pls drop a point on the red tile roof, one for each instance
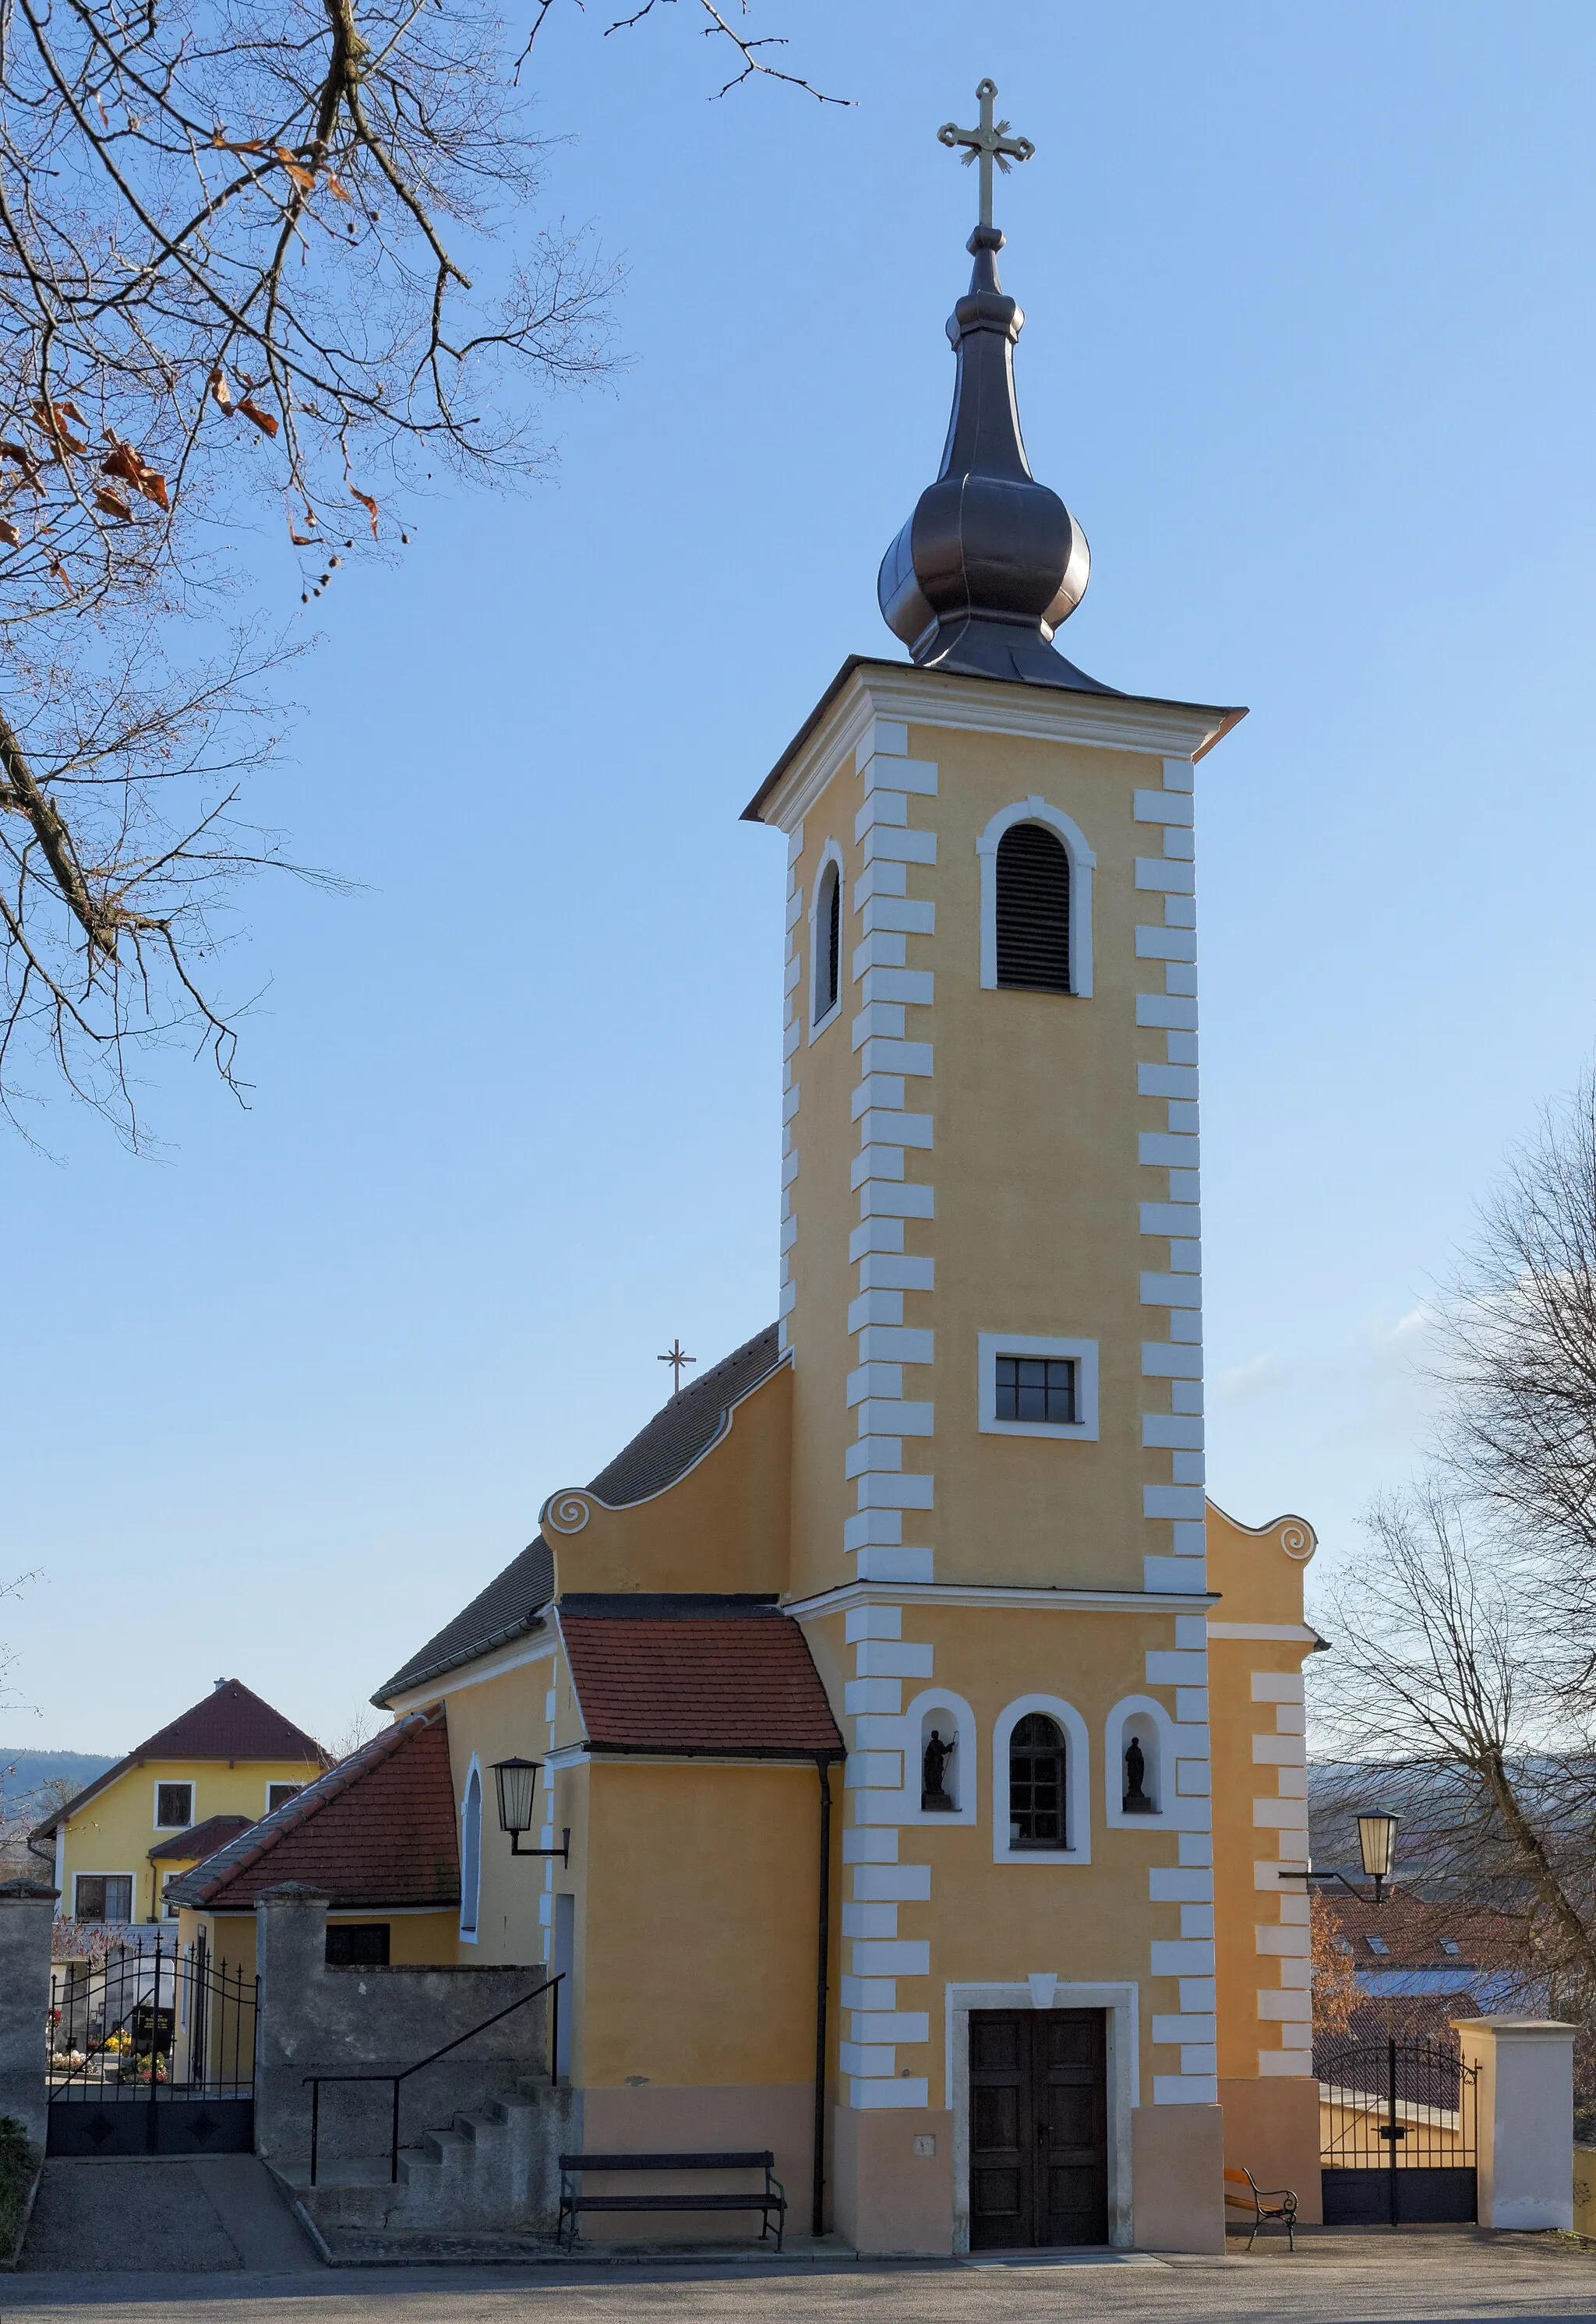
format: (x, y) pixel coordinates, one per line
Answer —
(1416, 1932)
(375, 1832)
(232, 1722)
(201, 1839)
(718, 1678)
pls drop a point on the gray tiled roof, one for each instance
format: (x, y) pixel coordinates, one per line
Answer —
(687, 1427)
(656, 1457)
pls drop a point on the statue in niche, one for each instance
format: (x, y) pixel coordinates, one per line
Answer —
(1137, 1802)
(934, 1795)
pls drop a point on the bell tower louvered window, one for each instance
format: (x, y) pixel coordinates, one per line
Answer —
(1033, 902)
(829, 943)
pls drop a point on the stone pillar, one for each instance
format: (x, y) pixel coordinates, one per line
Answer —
(290, 1955)
(1525, 2093)
(27, 1915)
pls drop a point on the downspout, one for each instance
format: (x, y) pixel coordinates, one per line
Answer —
(823, 1763)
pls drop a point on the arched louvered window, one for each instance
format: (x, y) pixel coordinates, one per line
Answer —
(1036, 1783)
(828, 942)
(1033, 902)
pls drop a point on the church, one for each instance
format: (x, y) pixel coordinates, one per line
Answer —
(914, 1752)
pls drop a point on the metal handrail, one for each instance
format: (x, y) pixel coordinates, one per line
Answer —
(550, 1985)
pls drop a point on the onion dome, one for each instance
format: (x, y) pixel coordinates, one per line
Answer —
(991, 562)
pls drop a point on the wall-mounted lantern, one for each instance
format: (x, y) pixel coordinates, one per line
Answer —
(1376, 1844)
(517, 1781)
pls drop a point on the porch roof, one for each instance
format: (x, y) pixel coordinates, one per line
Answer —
(696, 1677)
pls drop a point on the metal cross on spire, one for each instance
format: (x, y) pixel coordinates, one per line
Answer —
(675, 1359)
(991, 141)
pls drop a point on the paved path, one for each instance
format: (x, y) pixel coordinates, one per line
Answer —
(1418, 2277)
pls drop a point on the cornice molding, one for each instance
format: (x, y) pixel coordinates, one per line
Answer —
(963, 1593)
(863, 689)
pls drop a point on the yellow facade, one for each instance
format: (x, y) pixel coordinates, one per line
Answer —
(112, 1834)
(966, 1167)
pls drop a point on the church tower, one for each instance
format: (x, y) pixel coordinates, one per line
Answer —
(991, 1301)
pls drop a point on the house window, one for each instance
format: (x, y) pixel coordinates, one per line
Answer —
(357, 1944)
(1032, 1385)
(470, 1852)
(1449, 1945)
(278, 1795)
(1037, 1388)
(174, 1806)
(826, 945)
(1377, 1944)
(1033, 909)
(1036, 1783)
(102, 1897)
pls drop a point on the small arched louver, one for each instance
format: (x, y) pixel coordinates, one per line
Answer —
(1033, 909)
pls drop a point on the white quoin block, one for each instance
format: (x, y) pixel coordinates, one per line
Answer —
(1525, 2120)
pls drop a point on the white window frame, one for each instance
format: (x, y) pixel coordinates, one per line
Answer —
(471, 1857)
(132, 1895)
(1082, 864)
(830, 853)
(167, 1783)
(1077, 1782)
(278, 1784)
(1082, 1353)
(1138, 1706)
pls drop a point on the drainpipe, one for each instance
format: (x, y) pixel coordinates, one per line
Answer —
(823, 1764)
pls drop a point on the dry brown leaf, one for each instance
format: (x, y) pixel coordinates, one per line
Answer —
(246, 145)
(59, 570)
(50, 419)
(367, 504)
(338, 186)
(9, 533)
(19, 453)
(263, 420)
(113, 504)
(222, 392)
(301, 177)
(304, 540)
(123, 461)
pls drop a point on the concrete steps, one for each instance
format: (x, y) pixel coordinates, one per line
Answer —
(492, 2171)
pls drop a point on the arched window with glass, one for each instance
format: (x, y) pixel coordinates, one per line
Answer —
(1037, 1784)
(471, 1853)
(827, 936)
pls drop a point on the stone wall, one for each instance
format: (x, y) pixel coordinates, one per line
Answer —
(26, 1917)
(317, 2020)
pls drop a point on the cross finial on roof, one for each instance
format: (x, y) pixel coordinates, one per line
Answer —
(991, 141)
(675, 1359)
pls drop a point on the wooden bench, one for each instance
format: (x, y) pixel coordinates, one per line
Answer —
(1267, 2204)
(772, 2203)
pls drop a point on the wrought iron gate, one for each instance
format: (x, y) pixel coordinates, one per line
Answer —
(152, 2051)
(1399, 2134)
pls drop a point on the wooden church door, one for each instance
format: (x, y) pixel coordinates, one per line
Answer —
(1039, 2127)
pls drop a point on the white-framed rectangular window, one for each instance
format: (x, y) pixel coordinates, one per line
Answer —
(278, 1795)
(1035, 1385)
(174, 1806)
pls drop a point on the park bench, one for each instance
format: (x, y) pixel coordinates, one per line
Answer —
(771, 2203)
(1267, 2204)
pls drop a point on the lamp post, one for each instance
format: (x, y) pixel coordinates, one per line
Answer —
(517, 1783)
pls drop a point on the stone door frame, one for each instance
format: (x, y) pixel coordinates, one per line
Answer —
(1121, 2005)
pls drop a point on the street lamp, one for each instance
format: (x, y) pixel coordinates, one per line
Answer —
(1376, 1844)
(517, 1781)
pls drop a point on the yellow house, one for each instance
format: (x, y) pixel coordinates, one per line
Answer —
(920, 1753)
(224, 1762)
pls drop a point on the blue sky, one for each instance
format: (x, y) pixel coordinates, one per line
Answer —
(1308, 351)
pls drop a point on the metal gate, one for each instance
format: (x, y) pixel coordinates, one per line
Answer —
(1398, 2130)
(152, 2051)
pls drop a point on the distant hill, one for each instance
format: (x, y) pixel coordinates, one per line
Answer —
(24, 1774)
